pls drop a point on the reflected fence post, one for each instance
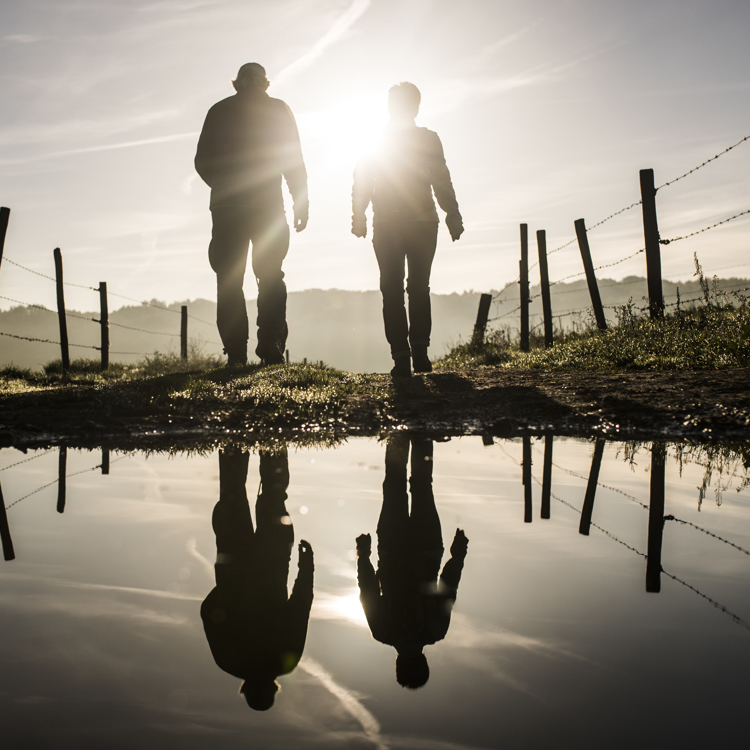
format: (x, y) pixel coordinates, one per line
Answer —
(547, 476)
(588, 501)
(655, 519)
(8, 551)
(526, 478)
(61, 469)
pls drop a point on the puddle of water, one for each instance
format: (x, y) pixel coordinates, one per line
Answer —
(554, 639)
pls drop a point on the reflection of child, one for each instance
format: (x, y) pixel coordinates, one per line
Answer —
(406, 606)
(254, 631)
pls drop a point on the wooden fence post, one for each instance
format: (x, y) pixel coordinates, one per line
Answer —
(541, 241)
(483, 313)
(7, 541)
(547, 476)
(653, 251)
(105, 461)
(4, 216)
(588, 266)
(64, 350)
(655, 519)
(588, 500)
(61, 472)
(524, 291)
(183, 333)
(104, 322)
(526, 478)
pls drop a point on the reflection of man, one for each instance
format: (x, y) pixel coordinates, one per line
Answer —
(400, 183)
(248, 142)
(405, 605)
(255, 632)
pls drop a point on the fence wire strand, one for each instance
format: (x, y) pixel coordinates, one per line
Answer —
(705, 229)
(700, 166)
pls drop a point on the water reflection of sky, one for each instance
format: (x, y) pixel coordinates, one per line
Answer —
(553, 640)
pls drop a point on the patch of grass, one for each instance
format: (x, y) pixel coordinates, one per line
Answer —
(712, 335)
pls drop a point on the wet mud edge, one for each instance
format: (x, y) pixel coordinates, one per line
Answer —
(620, 405)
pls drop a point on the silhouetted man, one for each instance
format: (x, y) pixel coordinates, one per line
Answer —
(405, 605)
(399, 182)
(249, 141)
(255, 632)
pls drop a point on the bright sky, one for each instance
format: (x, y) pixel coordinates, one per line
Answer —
(547, 109)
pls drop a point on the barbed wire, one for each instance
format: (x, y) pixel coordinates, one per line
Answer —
(28, 304)
(50, 278)
(159, 307)
(506, 287)
(26, 460)
(56, 481)
(598, 268)
(705, 229)
(700, 166)
(142, 330)
(735, 618)
(709, 533)
(37, 273)
(47, 341)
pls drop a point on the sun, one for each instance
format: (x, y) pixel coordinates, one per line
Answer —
(342, 134)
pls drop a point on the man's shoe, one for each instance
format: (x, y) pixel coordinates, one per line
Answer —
(401, 368)
(236, 360)
(272, 359)
(421, 361)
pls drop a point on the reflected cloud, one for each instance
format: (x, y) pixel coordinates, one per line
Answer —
(350, 702)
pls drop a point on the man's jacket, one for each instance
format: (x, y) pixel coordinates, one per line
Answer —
(248, 142)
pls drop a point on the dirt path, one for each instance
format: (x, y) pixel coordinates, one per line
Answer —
(699, 405)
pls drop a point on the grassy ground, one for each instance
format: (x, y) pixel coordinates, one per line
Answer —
(712, 335)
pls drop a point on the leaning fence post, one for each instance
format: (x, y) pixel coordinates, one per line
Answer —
(541, 241)
(655, 519)
(183, 333)
(7, 541)
(104, 322)
(483, 313)
(547, 476)
(653, 251)
(526, 479)
(588, 500)
(588, 266)
(524, 292)
(61, 472)
(65, 352)
(4, 216)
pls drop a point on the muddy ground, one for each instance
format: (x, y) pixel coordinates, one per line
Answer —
(693, 405)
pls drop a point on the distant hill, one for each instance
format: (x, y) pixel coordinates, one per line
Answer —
(341, 328)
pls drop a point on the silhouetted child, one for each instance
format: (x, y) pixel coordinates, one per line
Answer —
(406, 606)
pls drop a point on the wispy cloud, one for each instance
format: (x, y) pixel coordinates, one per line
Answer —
(349, 701)
(353, 14)
(193, 135)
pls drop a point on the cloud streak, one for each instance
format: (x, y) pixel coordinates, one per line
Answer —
(353, 14)
(108, 147)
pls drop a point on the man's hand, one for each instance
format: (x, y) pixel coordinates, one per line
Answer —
(455, 225)
(460, 544)
(364, 544)
(305, 551)
(359, 225)
(301, 215)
